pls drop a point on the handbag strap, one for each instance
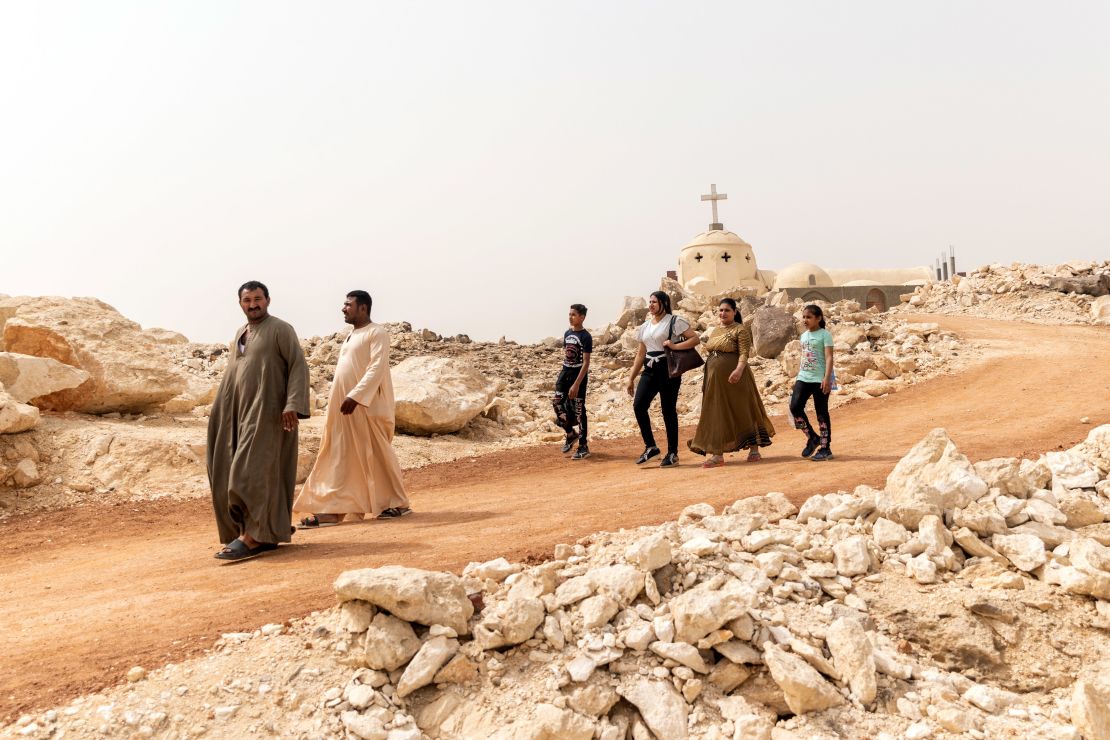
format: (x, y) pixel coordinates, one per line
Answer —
(670, 330)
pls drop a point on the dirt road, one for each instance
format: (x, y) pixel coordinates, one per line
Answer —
(90, 592)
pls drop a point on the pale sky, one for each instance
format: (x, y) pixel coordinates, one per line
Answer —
(478, 166)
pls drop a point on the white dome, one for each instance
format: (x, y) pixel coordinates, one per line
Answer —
(803, 275)
(716, 239)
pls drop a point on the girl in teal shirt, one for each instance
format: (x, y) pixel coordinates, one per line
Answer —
(814, 379)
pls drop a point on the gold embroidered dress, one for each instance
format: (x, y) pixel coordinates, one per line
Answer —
(732, 415)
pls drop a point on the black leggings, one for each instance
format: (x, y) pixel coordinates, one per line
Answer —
(655, 381)
(798, 399)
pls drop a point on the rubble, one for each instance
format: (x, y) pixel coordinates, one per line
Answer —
(781, 630)
(1069, 293)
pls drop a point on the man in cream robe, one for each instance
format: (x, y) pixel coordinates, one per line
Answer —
(357, 471)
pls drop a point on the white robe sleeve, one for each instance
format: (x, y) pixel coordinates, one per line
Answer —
(363, 393)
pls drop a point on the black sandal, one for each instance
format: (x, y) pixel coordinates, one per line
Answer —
(238, 550)
(313, 521)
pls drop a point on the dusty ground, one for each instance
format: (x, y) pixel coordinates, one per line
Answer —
(93, 590)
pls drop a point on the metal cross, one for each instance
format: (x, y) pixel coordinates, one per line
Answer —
(698, 257)
(713, 197)
(726, 256)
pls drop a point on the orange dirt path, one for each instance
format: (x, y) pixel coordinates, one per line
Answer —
(91, 591)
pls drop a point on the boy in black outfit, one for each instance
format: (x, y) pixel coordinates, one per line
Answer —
(569, 400)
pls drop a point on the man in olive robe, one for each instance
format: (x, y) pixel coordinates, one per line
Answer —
(252, 431)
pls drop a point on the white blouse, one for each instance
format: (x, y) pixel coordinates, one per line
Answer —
(653, 335)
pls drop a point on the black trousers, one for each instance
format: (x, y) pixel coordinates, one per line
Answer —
(654, 381)
(568, 413)
(802, 393)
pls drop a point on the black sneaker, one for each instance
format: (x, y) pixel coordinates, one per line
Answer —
(811, 445)
(568, 445)
(649, 452)
(822, 455)
(582, 453)
(395, 512)
(670, 460)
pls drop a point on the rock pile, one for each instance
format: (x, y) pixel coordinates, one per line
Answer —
(1071, 293)
(962, 600)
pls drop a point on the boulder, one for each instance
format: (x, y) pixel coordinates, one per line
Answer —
(422, 596)
(423, 667)
(708, 606)
(649, 553)
(772, 506)
(509, 622)
(128, 370)
(852, 556)
(439, 395)
(934, 474)
(804, 688)
(1090, 705)
(791, 358)
(1100, 309)
(852, 655)
(553, 723)
(662, 707)
(15, 417)
(1025, 551)
(389, 643)
(772, 329)
(633, 312)
(26, 378)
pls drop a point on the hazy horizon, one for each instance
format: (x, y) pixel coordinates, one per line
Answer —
(478, 167)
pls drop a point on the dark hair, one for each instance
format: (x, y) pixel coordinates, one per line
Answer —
(578, 308)
(362, 298)
(664, 301)
(731, 303)
(254, 285)
(814, 309)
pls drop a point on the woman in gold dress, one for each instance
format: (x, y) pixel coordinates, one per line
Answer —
(732, 413)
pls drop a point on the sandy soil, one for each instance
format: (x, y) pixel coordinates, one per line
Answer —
(90, 591)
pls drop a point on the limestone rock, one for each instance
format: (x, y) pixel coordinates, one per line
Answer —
(1025, 551)
(438, 395)
(680, 652)
(552, 723)
(889, 534)
(509, 622)
(623, 582)
(649, 553)
(935, 473)
(128, 371)
(459, 670)
(772, 329)
(495, 570)
(981, 518)
(1090, 706)
(791, 358)
(355, 616)
(598, 610)
(364, 726)
(853, 558)
(1004, 473)
(423, 667)
(422, 596)
(16, 417)
(804, 688)
(708, 606)
(594, 700)
(772, 507)
(25, 377)
(662, 707)
(390, 643)
(852, 656)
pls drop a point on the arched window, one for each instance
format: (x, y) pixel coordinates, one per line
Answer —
(875, 297)
(812, 280)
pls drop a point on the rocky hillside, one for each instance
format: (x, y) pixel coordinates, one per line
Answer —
(1071, 293)
(963, 600)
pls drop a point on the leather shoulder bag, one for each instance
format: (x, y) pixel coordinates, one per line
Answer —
(681, 360)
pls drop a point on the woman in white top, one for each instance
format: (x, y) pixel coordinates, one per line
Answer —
(657, 334)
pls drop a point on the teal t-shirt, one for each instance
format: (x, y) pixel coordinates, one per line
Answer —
(813, 355)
